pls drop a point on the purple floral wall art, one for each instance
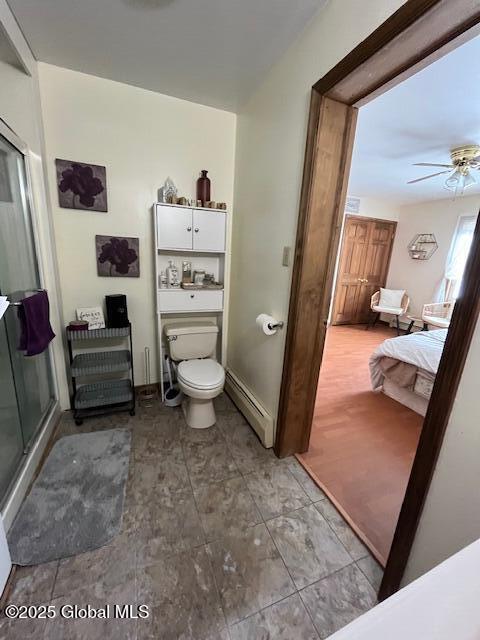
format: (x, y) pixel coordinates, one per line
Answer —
(117, 257)
(81, 186)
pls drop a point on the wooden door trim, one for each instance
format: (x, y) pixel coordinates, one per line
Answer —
(411, 38)
(385, 58)
(328, 163)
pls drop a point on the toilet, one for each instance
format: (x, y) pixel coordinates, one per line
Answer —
(193, 346)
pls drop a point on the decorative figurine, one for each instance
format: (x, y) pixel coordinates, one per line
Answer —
(169, 190)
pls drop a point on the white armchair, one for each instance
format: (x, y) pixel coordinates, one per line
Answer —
(437, 314)
(390, 301)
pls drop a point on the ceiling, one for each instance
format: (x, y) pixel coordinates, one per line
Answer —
(208, 51)
(420, 120)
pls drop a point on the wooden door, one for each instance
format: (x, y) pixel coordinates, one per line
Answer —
(377, 260)
(363, 266)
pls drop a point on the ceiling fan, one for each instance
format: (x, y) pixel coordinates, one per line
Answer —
(463, 161)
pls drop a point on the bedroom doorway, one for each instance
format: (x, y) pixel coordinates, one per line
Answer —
(417, 34)
(391, 304)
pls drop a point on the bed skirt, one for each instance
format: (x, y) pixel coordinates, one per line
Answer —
(405, 396)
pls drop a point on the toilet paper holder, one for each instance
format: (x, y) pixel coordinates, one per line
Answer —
(276, 325)
(268, 324)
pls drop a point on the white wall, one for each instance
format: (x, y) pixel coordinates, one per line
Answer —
(422, 277)
(271, 137)
(378, 208)
(141, 137)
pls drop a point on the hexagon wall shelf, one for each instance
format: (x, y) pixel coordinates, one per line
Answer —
(423, 246)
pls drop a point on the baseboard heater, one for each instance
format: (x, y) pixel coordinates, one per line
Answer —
(256, 415)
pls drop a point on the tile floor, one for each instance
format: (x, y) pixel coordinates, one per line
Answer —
(220, 539)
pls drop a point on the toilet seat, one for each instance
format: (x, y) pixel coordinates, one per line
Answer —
(202, 374)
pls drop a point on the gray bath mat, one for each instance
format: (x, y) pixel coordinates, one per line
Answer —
(76, 503)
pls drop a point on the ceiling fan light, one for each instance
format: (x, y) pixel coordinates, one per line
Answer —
(454, 180)
(460, 180)
(469, 180)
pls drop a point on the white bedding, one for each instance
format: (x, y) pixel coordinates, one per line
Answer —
(423, 349)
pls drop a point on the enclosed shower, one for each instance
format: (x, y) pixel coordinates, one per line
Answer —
(26, 383)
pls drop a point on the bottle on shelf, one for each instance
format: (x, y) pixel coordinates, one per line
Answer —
(203, 187)
(186, 271)
(162, 280)
(173, 281)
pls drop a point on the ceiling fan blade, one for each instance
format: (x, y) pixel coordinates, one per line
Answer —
(427, 177)
(429, 164)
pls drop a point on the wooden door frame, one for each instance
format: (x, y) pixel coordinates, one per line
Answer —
(341, 244)
(420, 32)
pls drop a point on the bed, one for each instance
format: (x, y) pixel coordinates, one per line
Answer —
(404, 368)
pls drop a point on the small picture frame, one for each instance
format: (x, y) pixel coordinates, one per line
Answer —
(93, 315)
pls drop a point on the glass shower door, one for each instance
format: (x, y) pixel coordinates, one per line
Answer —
(11, 440)
(28, 380)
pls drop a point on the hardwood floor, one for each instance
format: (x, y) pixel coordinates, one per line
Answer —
(362, 443)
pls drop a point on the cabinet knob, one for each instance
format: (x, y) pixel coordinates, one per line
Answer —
(189, 228)
(197, 229)
(192, 295)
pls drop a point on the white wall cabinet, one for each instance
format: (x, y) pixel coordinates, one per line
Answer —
(209, 231)
(184, 229)
(198, 236)
(174, 228)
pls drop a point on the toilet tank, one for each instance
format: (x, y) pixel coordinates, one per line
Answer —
(189, 340)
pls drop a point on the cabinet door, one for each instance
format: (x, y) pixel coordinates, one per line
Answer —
(209, 230)
(174, 228)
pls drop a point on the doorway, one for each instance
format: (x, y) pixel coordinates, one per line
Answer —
(410, 39)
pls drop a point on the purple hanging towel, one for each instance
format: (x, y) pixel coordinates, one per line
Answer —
(36, 331)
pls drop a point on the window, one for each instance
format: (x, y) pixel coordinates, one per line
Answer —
(457, 257)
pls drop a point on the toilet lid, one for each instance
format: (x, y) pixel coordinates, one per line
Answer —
(201, 374)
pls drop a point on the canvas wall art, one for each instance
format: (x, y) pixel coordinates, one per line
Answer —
(117, 257)
(81, 186)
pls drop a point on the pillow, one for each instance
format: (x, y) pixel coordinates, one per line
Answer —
(391, 297)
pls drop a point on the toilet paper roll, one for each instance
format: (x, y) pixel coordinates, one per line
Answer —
(264, 321)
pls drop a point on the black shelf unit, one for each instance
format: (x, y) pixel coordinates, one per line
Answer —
(105, 395)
